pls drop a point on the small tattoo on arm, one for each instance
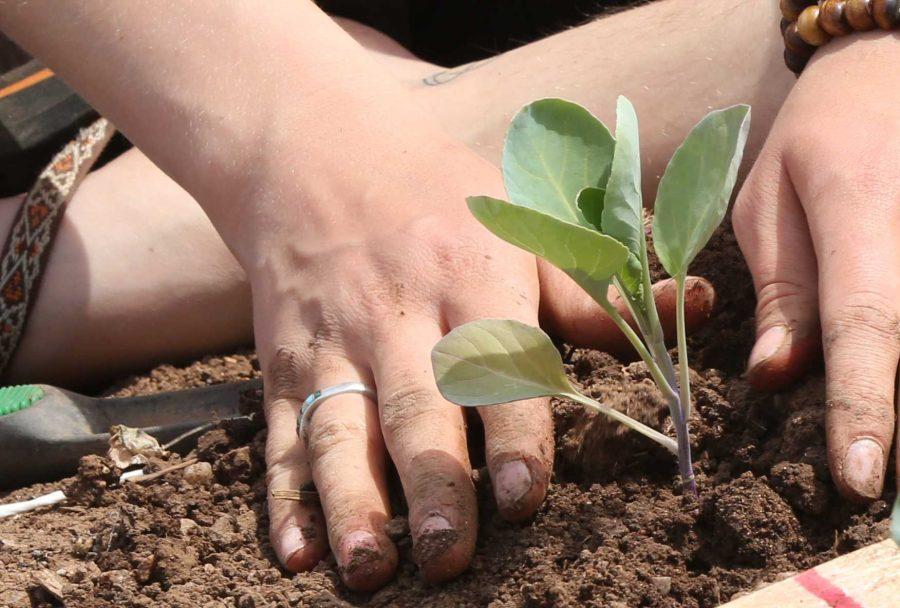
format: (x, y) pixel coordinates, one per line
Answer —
(446, 76)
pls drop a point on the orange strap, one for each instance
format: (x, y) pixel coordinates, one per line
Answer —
(28, 81)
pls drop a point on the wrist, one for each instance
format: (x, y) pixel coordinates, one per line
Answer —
(868, 58)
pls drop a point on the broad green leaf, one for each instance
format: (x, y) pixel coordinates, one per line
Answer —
(695, 190)
(895, 521)
(495, 361)
(590, 202)
(554, 149)
(623, 212)
(589, 257)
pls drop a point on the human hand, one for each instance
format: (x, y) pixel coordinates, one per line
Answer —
(819, 223)
(361, 292)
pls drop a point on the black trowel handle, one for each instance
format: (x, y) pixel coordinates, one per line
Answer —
(46, 439)
(188, 407)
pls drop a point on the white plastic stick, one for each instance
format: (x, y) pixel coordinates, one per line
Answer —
(29, 505)
(50, 499)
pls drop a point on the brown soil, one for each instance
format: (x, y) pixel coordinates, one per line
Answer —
(614, 531)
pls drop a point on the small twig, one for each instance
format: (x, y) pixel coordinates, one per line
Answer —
(162, 472)
(186, 434)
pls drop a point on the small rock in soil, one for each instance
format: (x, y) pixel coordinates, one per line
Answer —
(199, 474)
(48, 586)
(188, 526)
(663, 584)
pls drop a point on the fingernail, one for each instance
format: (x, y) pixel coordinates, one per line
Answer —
(863, 468)
(435, 536)
(513, 483)
(358, 549)
(767, 346)
(434, 523)
(294, 542)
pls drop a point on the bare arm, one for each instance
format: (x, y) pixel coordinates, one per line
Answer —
(219, 93)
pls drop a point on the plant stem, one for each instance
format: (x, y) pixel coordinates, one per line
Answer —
(638, 345)
(684, 384)
(643, 429)
(685, 466)
(682, 431)
(656, 340)
(633, 306)
(667, 385)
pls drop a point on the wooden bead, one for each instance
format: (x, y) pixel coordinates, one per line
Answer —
(784, 25)
(831, 18)
(795, 62)
(795, 44)
(791, 9)
(858, 14)
(886, 13)
(808, 26)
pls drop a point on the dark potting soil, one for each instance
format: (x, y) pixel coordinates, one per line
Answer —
(614, 531)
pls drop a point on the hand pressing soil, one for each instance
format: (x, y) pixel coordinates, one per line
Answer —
(615, 530)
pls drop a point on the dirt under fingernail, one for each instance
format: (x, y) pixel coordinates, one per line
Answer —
(436, 536)
(357, 551)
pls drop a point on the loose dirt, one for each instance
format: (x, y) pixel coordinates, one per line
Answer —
(614, 531)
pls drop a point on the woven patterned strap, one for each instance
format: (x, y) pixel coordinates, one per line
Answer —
(30, 239)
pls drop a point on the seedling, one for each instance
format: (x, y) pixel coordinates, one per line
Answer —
(575, 200)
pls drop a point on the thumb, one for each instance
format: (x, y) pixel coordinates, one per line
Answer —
(569, 313)
(773, 234)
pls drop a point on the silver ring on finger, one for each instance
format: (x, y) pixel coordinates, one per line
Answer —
(318, 397)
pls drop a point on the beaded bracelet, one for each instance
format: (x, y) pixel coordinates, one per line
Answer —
(808, 24)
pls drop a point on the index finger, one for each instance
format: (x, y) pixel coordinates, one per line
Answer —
(855, 237)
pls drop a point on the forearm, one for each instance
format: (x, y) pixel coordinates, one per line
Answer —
(675, 59)
(217, 92)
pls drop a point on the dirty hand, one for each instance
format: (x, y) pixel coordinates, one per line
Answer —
(819, 222)
(358, 287)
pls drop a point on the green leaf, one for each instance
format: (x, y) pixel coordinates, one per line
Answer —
(895, 521)
(554, 149)
(495, 361)
(623, 211)
(589, 257)
(590, 202)
(695, 190)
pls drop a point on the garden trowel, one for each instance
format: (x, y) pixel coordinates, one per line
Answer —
(45, 430)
